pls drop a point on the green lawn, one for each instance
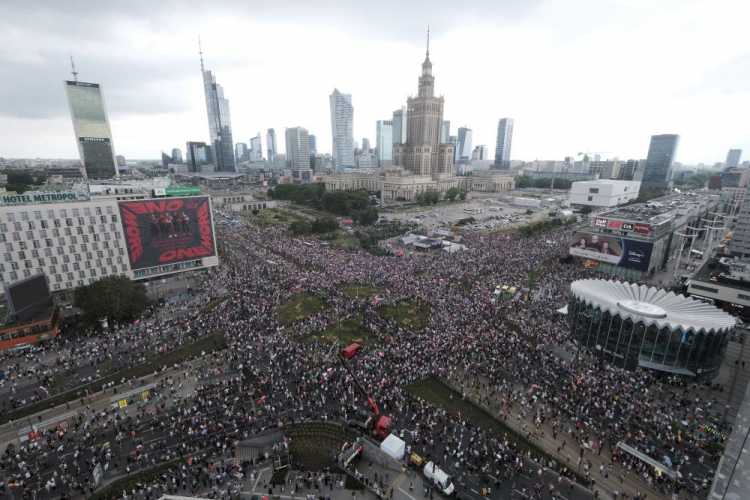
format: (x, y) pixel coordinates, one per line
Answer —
(349, 330)
(507, 230)
(345, 241)
(272, 217)
(410, 314)
(515, 327)
(359, 289)
(299, 307)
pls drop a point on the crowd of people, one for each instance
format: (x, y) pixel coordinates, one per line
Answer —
(501, 351)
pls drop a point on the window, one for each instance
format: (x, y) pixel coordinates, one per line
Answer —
(56, 233)
(38, 215)
(706, 288)
(3, 227)
(103, 219)
(75, 212)
(593, 190)
(11, 218)
(24, 216)
(13, 276)
(16, 226)
(87, 211)
(591, 198)
(63, 213)
(22, 255)
(8, 257)
(50, 214)
(743, 297)
(32, 225)
(44, 224)
(109, 210)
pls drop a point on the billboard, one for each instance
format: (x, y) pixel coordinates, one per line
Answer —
(167, 230)
(621, 252)
(29, 296)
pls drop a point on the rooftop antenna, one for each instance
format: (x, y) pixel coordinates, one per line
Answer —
(73, 65)
(428, 41)
(200, 51)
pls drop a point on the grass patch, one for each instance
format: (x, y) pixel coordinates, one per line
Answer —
(437, 392)
(299, 307)
(359, 290)
(515, 327)
(411, 314)
(189, 350)
(507, 230)
(272, 217)
(345, 241)
(350, 330)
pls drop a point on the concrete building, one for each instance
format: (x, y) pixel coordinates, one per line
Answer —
(570, 176)
(313, 142)
(503, 144)
(256, 148)
(366, 160)
(279, 160)
(733, 158)
(734, 182)
(609, 169)
(422, 153)
(384, 141)
(342, 128)
(740, 244)
(298, 154)
(480, 152)
(78, 236)
(91, 126)
(657, 172)
(603, 193)
(271, 143)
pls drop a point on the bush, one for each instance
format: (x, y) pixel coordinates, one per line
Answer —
(300, 227)
(324, 225)
(116, 298)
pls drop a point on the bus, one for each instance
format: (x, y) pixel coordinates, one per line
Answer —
(36, 330)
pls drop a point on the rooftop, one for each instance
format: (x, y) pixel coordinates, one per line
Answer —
(659, 210)
(718, 271)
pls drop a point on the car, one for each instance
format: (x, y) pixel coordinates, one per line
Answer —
(67, 306)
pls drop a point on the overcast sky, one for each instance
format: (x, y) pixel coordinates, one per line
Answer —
(575, 75)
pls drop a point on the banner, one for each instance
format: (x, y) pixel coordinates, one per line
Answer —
(167, 230)
(621, 252)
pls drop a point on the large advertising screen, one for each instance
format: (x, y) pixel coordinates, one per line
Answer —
(24, 295)
(167, 230)
(621, 252)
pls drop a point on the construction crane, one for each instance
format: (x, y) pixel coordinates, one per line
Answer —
(377, 424)
(587, 153)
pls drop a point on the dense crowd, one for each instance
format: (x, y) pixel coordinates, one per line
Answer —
(502, 349)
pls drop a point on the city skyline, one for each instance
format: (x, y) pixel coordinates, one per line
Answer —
(154, 99)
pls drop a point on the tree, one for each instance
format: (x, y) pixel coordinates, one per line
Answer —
(462, 194)
(255, 211)
(452, 193)
(300, 227)
(116, 298)
(367, 217)
(586, 209)
(324, 225)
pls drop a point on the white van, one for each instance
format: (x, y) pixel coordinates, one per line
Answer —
(439, 478)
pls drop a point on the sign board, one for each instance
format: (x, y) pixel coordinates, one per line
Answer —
(642, 228)
(622, 252)
(167, 230)
(601, 223)
(21, 199)
(183, 191)
(160, 192)
(145, 395)
(122, 403)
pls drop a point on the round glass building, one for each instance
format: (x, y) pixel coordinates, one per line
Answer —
(633, 326)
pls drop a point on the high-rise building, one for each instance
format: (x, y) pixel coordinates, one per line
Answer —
(219, 122)
(446, 132)
(256, 148)
(384, 140)
(271, 143)
(297, 148)
(628, 172)
(165, 159)
(480, 152)
(423, 154)
(365, 145)
(177, 156)
(463, 153)
(733, 158)
(241, 153)
(342, 127)
(312, 141)
(503, 144)
(91, 126)
(657, 173)
(197, 155)
(399, 125)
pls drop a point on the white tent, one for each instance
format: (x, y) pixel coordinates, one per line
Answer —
(393, 447)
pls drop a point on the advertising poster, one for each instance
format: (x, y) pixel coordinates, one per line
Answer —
(167, 230)
(622, 252)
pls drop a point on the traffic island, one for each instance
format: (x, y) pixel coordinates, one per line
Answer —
(299, 307)
(316, 445)
(348, 331)
(410, 314)
(360, 290)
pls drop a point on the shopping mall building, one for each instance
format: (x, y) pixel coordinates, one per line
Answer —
(95, 230)
(631, 326)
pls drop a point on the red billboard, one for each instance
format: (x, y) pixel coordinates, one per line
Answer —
(167, 230)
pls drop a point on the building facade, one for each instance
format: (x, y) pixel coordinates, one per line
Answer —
(463, 153)
(603, 193)
(445, 133)
(199, 156)
(176, 156)
(631, 327)
(91, 126)
(399, 125)
(733, 158)
(342, 128)
(256, 148)
(219, 124)
(422, 153)
(384, 140)
(503, 144)
(657, 172)
(740, 244)
(297, 148)
(271, 143)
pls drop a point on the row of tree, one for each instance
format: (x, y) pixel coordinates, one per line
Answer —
(545, 225)
(525, 182)
(21, 181)
(318, 226)
(355, 205)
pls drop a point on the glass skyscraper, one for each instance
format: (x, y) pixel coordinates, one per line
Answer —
(657, 173)
(384, 140)
(91, 126)
(463, 153)
(219, 124)
(503, 144)
(399, 125)
(342, 126)
(271, 143)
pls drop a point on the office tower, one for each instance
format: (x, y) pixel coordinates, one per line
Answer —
(177, 156)
(297, 148)
(733, 158)
(241, 152)
(197, 155)
(342, 127)
(91, 126)
(628, 172)
(271, 143)
(423, 154)
(597, 157)
(165, 159)
(219, 122)
(480, 152)
(463, 153)
(503, 144)
(399, 126)
(384, 140)
(365, 145)
(446, 132)
(279, 161)
(657, 172)
(256, 148)
(453, 140)
(311, 140)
